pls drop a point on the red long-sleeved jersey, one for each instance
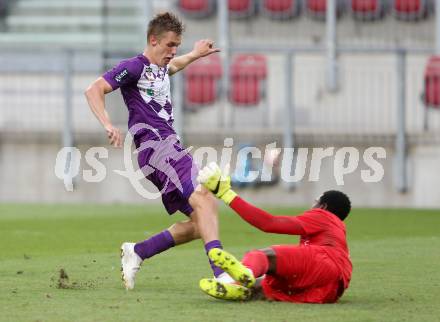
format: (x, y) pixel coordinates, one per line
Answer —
(316, 227)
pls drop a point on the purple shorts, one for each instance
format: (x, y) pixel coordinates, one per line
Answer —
(172, 170)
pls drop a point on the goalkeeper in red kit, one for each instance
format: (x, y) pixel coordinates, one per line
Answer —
(318, 270)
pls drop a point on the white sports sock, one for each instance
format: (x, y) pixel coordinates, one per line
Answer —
(225, 278)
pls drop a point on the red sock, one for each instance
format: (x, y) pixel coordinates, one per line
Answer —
(257, 262)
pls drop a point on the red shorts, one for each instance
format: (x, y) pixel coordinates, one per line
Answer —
(304, 274)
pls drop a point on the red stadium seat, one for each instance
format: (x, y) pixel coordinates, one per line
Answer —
(242, 8)
(368, 10)
(317, 8)
(431, 95)
(431, 91)
(281, 9)
(201, 80)
(197, 8)
(410, 9)
(247, 75)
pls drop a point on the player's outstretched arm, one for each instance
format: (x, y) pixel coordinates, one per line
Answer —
(220, 185)
(265, 221)
(201, 48)
(95, 98)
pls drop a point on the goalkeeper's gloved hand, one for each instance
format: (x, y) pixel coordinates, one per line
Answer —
(217, 182)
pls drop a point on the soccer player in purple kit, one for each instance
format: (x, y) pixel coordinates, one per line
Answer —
(145, 86)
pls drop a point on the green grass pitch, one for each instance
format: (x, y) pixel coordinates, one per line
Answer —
(396, 277)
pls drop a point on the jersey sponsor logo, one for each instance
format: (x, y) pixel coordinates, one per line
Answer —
(121, 76)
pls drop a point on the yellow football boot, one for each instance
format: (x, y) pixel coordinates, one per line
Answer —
(232, 266)
(224, 291)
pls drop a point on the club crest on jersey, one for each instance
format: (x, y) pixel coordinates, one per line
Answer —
(149, 74)
(121, 76)
(161, 73)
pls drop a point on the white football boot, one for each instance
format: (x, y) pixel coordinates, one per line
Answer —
(130, 264)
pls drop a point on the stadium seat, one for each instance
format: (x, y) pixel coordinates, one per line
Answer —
(201, 81)
(197, 8)
(248, 73)
(316, 9)
(242, 8)
(431, 91)
(431, 96)
(411, 10)
(281, 9)
(368, 10)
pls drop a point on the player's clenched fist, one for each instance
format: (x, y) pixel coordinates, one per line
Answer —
(114, 136)
(217, 182)
(204, 47)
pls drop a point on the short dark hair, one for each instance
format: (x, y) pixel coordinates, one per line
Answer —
(164, 22)
(336, 202)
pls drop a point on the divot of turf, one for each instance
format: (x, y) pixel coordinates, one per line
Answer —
(63, 279)
(63, 282)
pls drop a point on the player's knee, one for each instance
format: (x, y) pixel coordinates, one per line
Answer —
(194, 228)
(199, 193)
(195, 232)
(268, 251)
(264, 254)
(255, 252)
(202, 198)
(271, 257)
(211, 201)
